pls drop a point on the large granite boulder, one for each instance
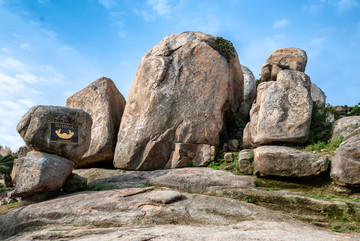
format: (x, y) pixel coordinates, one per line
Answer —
(42, 172)
(103, 101)
(288, 162)
(346, 127)
(345, 165)
(286, 58)
(282, 112)
(185, 91)
(58, 130)
(318, 95)
(249, 92)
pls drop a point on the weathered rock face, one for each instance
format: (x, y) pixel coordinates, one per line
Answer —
(102, 100)
(288, 162)
(317, 95)
(245, 163)
(182, 92)
(345, 165)
(249, 92)
(286, 58)
(35, 127)
(75, 183)
(42, 172)
(346, 127)
(16, 168)
(282, 112)
(194, 154)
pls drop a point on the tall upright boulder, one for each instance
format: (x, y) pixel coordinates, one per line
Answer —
(187, 90)
(103, 101)
(282, 112)
(285, 58)
(249, 92)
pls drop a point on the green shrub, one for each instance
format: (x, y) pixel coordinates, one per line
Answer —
(224, 47)
(354, 111)
(330, 145)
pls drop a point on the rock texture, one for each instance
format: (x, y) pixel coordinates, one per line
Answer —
(249, 92)
(103, 101)
(183, 90)
(190, 154)
(34, 128)
(317, 95)
(286, 58)
(42, 172)
(345, 165)
(346, 127)
(18, 162)
(282, 112)
(288, 162)
(245, 163)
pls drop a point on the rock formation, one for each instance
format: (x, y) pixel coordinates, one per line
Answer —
(58, 136)
(35, 128)
(102, 100)
(286, 58)
(282, 112)
(249, 92)
(345, 165)
(346, 127)
(318, 95)
(185, 91)
(42, 172)
(288, 162)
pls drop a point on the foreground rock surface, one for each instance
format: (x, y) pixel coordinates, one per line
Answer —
(103, 101)
(182, 91)
(345, 165)
(288, 162)
(282, 112)
(42, 172)
(34, 128)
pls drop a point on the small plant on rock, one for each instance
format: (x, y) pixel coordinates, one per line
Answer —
(224, 47)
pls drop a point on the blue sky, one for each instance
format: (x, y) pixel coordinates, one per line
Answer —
(50, 49)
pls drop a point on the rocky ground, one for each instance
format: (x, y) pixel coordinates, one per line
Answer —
(181, 204)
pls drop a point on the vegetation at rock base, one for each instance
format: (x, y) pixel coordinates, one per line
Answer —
(330, 145)
(354, 111)
(220, 164)
(320, 129)
(6, 207)
(6, 165)
(224, 47)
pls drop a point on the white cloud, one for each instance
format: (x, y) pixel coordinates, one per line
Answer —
(68, 93)
(161, 7)
(28, 77)
(108, 4)
(11, 63)
(281, 23)
(25, 46)
(207, 23)
(344, 5)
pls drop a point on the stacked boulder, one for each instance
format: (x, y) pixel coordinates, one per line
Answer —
(282, 115)
(58, 138)
(103, 101)
(345, 165)
(187, 92)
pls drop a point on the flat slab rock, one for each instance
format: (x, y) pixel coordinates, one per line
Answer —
(130, 214)
(198, 179)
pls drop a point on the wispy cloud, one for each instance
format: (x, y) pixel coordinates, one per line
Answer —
(161, 7)
(281, 23)
(344, 5)
(108, 4)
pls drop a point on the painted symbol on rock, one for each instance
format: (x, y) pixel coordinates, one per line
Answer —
(63, 132)
(64, 135)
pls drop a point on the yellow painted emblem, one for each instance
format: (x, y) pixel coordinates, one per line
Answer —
(64, 135)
